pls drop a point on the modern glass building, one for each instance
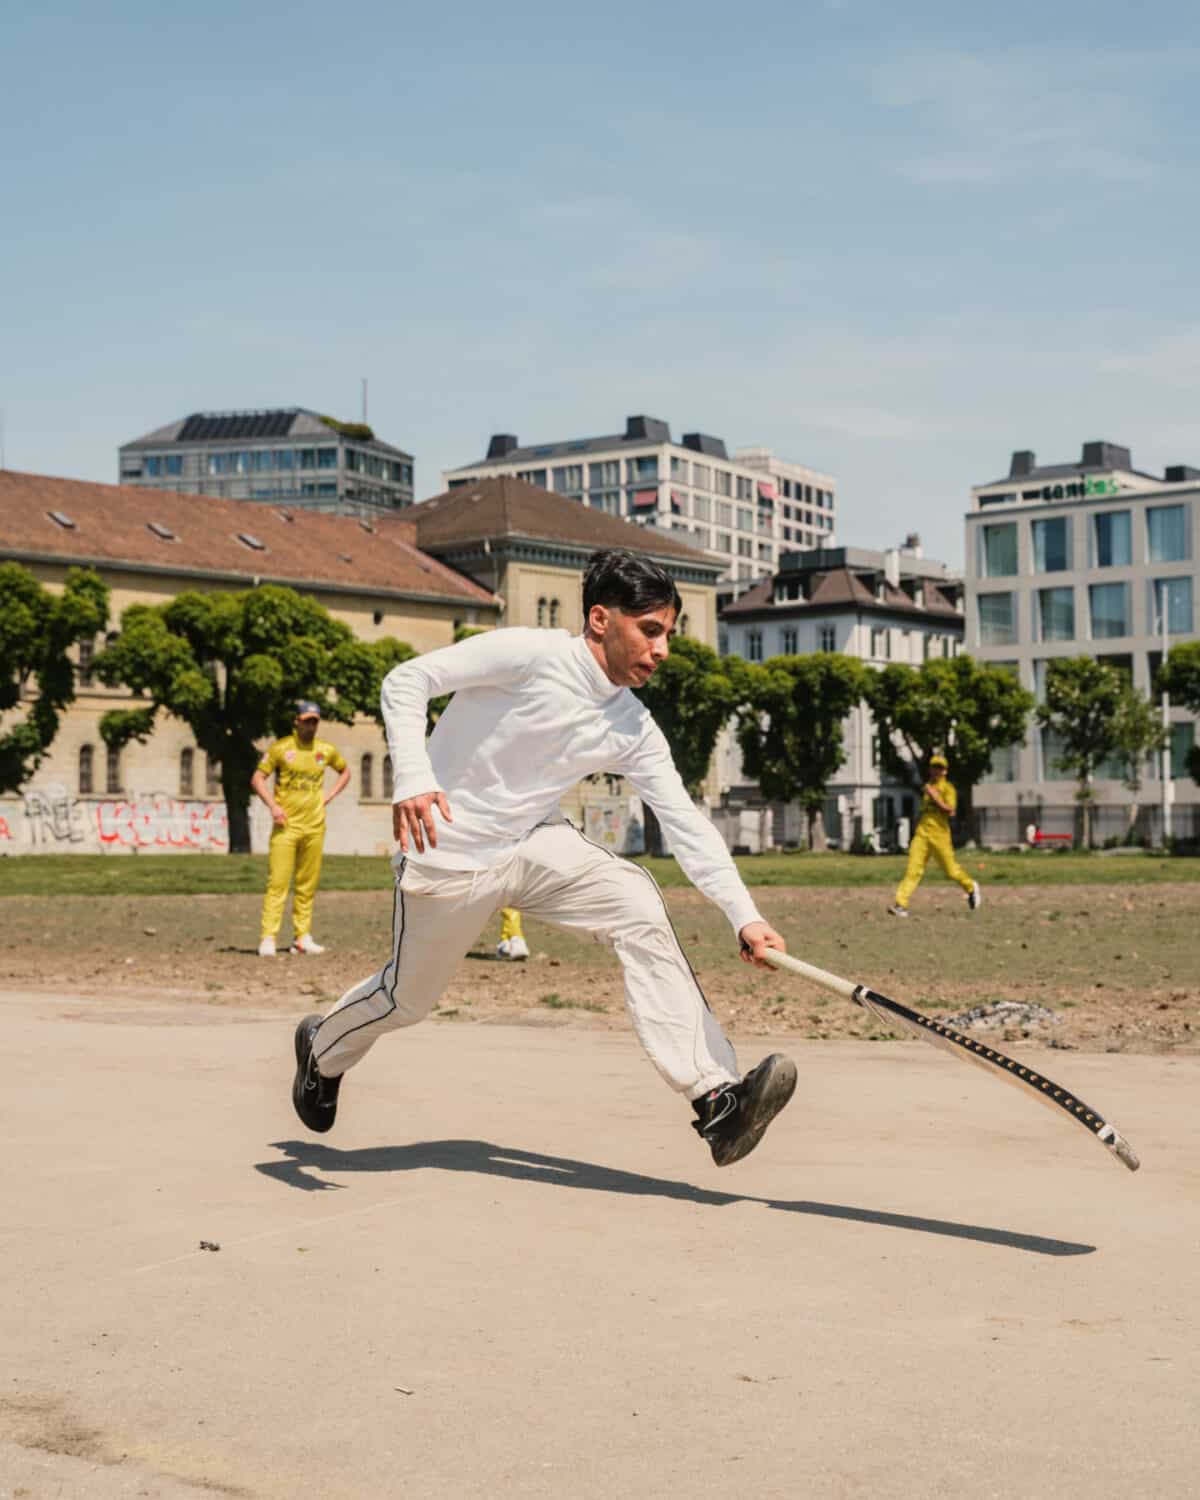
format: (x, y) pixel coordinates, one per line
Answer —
(1095, 558)
(291, 456)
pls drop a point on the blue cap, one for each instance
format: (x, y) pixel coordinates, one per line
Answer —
(305, 707)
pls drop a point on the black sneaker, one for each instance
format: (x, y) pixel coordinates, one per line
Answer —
(732, 1118)
(314, 1096)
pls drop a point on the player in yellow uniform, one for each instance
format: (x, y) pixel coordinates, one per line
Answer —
(298, 763)
(939, 801)
(512, 944)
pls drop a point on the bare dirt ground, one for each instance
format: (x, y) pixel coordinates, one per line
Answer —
(1119, 967)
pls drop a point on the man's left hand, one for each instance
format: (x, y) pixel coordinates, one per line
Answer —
(755, 938)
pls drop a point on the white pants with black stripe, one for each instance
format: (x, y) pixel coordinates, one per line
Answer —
(558, 876)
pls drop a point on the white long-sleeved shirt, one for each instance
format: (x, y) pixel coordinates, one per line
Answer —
(532, 713)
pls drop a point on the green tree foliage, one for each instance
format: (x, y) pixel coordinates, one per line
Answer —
(790, 730)
(1083, 700)
(37, 630)
(963, 708)
(1138, 733)
(1180, 677)
(691, 696)
(232, 666)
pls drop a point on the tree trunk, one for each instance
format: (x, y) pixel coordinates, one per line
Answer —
(238, 762)
(967, 819)
(816, 828)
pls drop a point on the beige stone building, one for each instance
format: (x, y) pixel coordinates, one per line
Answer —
(495, 552)
(150, 545)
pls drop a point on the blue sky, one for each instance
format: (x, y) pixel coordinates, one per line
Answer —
(891, 241)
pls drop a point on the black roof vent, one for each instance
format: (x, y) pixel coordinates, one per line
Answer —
(60, 518)
(700, 442)
(1024, 461)
(162, 531)
(251, 541)
(502, 444)
(647, 430)
(1105, 456)
(1180, 473)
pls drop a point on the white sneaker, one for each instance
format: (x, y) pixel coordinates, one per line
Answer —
(266, 949)
(513, 948)
(307, 944)
(975, 899)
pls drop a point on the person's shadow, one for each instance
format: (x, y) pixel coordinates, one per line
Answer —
(303, 1159)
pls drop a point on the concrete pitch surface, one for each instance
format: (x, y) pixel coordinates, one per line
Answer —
(512, 1270)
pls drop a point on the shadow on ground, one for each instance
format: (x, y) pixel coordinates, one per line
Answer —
(302, 1159)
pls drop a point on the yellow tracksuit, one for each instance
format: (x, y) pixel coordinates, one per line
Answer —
(933, 837)
(510, 923)
(297, 846)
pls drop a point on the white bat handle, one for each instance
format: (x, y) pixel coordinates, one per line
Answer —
(809, 971)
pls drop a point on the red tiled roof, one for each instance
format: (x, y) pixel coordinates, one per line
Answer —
(485, 509)
(113, 526)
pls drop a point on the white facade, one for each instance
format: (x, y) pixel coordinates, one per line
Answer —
(736, 509)
(1082, 560)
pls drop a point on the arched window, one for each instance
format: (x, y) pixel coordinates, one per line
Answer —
(682, 626)
(554, 614)
(187, 772)
(387, 778)
(541, 611)
(366, 773)
(112, 771)
(212, 776)
(87, 652)
(87, 757)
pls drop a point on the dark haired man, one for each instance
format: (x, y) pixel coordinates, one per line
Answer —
(476, 817)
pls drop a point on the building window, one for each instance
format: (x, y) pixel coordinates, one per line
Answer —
(1183, 737)
(1166, 534)
(554, 614)
(681, 625)
(745, 488)
(327, 458)
(1000, 550)
(679, 469)
(1112, 539)
(1174, 595)
(533, 476)
(754, 645)
(745, 547)
(366, 777)
(605, 475)
(643, 468)
(881, 646)
(187, 772)
(568, 479)
(541, 611)
(997, 619)
(1052, 748)
(387, 790)
(827, 638)
(1056, 614)
(112, 771)
(789, 641)
(1109, 603)
(723, 481)
(87, 760)
(701, 477)
(212, 776)
(1051, 546)
(87, 652)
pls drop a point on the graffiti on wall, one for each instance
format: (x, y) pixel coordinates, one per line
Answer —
(56, 821)
(52, 816)
(157, 821)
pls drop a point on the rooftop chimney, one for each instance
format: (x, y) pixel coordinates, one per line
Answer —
(1180, 473)
(502, 444)
(1024, 461)
(1105, 456)
(891, 566)
(912, 544)
(647, 430)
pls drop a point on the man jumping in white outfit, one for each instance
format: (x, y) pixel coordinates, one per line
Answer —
(534, 711)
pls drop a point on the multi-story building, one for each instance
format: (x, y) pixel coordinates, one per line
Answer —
(882, 607)
(149, 546)
(733, 508)
(291, 456)
(1095, 558)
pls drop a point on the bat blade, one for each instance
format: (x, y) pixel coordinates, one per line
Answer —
(1022, 1077)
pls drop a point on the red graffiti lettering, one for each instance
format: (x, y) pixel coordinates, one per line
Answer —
(160, 822)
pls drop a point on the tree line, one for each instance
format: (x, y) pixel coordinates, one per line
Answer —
(232, 665)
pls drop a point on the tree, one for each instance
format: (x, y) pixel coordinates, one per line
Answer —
(232, 666)
(37, 630)
(1083, 698)
(1138, 733)
(691, 696)
(1179, 676)
(790, 731)
(963, 708)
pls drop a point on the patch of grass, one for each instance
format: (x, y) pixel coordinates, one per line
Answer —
(225, 874)
(554, 1001)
